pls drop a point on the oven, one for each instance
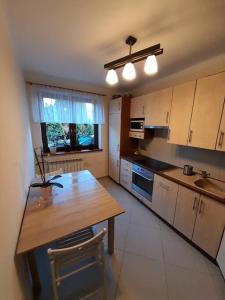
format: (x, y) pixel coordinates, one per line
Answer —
(142, 183)
(137, 125)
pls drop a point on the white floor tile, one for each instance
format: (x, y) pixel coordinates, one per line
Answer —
(185, 284)
(219, 283)
(144, 241)
(141, 279)
(141, 215)
(180, 253)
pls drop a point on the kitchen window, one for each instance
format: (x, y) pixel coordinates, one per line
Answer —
(69, 137)
(70, 120)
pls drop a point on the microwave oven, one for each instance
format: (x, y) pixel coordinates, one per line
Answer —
(137, 125)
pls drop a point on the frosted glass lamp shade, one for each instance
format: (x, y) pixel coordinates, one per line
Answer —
(129, 72)
(151, 66)
(111, 77)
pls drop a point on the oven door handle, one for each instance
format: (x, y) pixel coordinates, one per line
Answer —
(149, 179)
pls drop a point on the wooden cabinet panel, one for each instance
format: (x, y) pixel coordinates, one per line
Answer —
(115, 106)
(137, 109)
(180, 115)
(220, 145)
(209, 225)
(164, 198)
(186, 211)
(157, 108)
(207, 111)
(126, 174)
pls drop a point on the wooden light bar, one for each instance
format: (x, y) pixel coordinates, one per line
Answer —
(134, 57)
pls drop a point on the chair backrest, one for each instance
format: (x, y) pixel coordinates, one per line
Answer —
(80, 256)
(77, 249)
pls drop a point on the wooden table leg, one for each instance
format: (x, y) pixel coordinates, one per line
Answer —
(111, 223)
(33, 270)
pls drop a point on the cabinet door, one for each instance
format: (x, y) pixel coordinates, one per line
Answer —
(115, 106)
(164, 198)
(220, 145)
(186, 211)
(157, 108)
(137, 108)
(180, 115)
(114, 145)
(209, 225)
(207, 111)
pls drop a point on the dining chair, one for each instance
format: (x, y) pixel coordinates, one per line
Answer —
(75, 253)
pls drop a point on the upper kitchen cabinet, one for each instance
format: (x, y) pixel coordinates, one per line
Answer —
(220, 145)
(157, 108)
(137, 109)
(207, 110)
(180, 115)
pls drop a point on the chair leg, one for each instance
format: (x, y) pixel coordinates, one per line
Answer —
(54, 284)
(103, 281)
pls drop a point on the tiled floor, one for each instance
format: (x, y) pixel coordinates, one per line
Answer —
(151, 261)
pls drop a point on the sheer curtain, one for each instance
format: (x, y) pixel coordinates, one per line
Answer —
(55, 105)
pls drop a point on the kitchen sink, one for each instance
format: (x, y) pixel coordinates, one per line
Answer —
(211, 185)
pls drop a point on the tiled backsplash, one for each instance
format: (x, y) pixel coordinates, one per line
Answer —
(201, 159)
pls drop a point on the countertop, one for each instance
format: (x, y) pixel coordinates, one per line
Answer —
(176, 175)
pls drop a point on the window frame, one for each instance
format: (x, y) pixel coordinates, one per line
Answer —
(72, 134)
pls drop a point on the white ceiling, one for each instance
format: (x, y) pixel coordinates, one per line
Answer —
(73, 39)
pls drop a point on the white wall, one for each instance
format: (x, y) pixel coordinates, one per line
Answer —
(96, 162)
(16, 167)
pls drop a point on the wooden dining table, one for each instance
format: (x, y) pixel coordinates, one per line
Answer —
(51, 214)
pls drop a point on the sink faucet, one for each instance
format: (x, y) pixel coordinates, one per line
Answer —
(204, 174)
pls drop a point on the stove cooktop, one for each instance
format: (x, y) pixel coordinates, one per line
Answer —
(153, 164)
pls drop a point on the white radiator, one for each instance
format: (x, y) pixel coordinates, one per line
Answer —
(71, 165)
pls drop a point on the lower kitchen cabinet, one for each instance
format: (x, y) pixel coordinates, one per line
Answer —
(126, 174)
(186, 211)
(164, 198)
(209, 225)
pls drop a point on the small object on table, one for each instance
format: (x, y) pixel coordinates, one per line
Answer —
(45, 183)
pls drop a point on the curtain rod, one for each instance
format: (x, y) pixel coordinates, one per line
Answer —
(68, 89)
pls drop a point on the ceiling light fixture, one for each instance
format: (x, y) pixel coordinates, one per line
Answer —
(128, 61)
(111, 77)
(151, 66)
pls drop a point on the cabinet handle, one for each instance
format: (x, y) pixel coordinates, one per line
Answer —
(190, 136)
(165, 187)
(118, 147)
(117, 163)
(143, 110)
(167, 117)
(195, 204)
(193, 207)
(201, 208)
(221, 139)
(168, 137)
(119, 106)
